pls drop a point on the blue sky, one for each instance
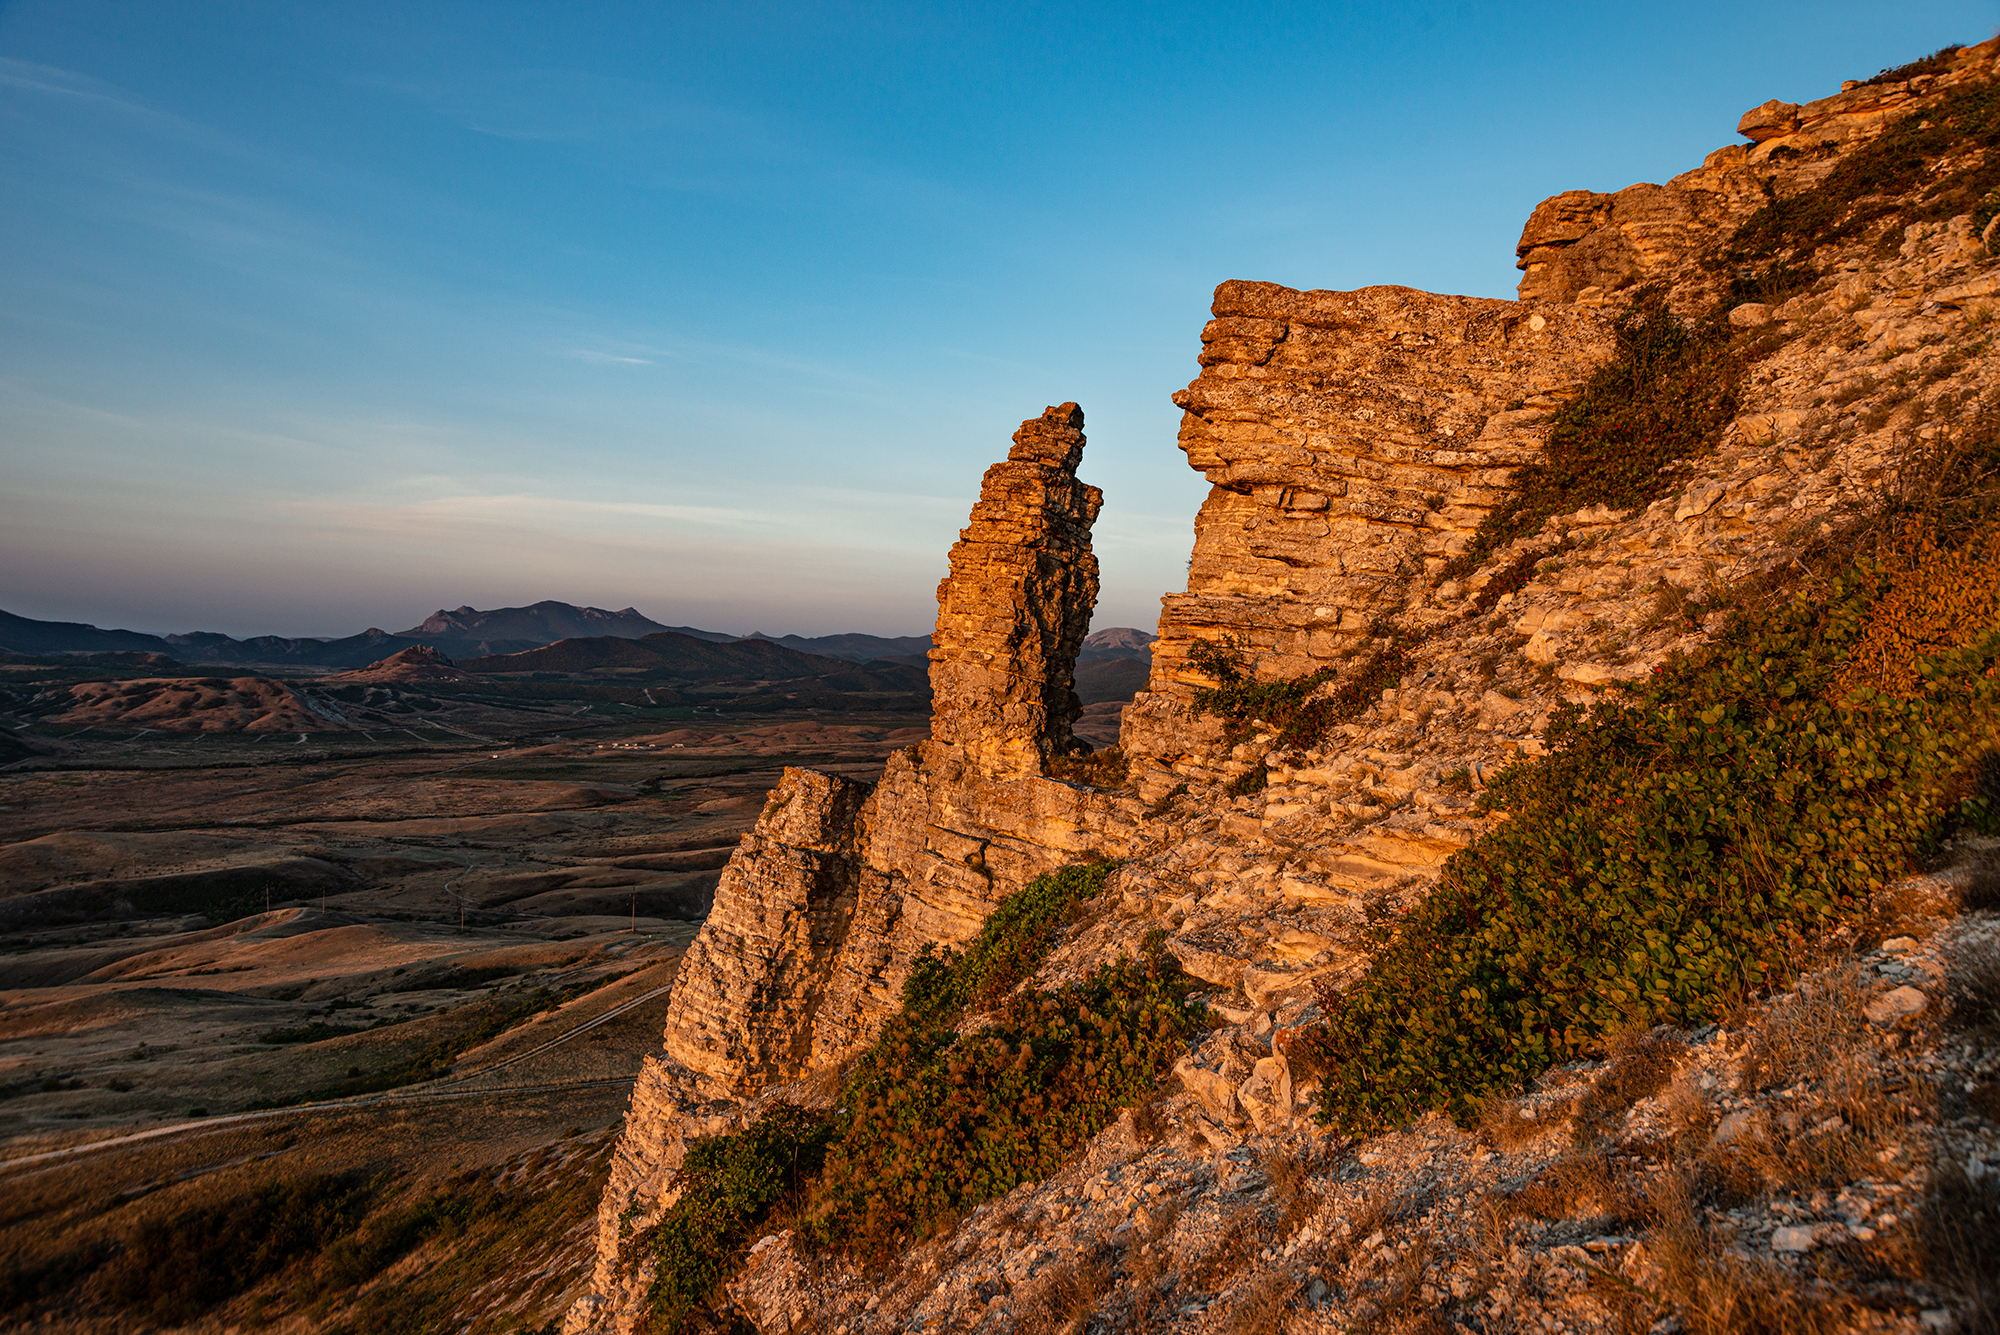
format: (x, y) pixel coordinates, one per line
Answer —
(319, 316)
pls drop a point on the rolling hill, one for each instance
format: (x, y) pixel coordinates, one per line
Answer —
(670, 655)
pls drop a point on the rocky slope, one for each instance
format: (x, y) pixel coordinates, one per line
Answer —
(1356, 442)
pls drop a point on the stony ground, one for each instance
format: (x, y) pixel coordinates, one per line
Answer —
(1814, 1163)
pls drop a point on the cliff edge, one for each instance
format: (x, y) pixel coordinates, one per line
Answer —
(1419, 554)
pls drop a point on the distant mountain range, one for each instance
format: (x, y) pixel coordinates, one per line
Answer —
(859, 648)
(540, 623)
(22, 636)
(670, 656)
(1118, 642)
(560, 637)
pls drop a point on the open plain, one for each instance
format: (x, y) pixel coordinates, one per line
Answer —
(230, 959)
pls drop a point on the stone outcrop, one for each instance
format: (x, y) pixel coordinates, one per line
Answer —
(1590, 248)
(1015, 608)
(829, 898)
(1353, 442)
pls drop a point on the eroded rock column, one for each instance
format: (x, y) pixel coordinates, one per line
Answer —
(1015, 608)
(826, 902)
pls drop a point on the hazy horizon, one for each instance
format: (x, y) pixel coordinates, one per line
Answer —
(313, 314)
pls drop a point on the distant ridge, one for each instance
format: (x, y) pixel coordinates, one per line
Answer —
(858, 648)
(673, 655)
(1118, 642)
(542, 623)
(24, 636)
(460, 633)
(418, 663)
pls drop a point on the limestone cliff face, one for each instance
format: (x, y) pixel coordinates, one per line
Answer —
(1353, 441)
(829, 898)
(1589, 248)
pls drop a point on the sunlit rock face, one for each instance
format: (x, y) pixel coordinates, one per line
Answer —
(1354, 441)
(830, 897)
(1015, 608)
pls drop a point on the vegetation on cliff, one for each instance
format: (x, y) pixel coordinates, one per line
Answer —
(1676, 850)
(1663, 397)
(1298, 711)
(1932, 163)
(931, 1120)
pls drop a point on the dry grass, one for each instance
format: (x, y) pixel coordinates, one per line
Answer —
(1842, 1110)
(1793, 1036)
(1289, 1171)
(1973, 970)
(1236, 1243)
(1715, 1291)
(1149, 1121)
(1260, 1306)
(1581, 1184)
(1398, 1300)
(1066, 1295)
(1641, 1066)
(1146, 1263)
(1959, 1235)
(1505, 1125)
(1979, 859)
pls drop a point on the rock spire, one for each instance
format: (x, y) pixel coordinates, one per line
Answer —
(1015, 608)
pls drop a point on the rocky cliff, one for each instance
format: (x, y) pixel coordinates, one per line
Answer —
(824, 905)
(1358, 446)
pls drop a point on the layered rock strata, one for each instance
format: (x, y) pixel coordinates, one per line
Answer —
(1354, 440)
(827, 900)
(1590, 248)
(1015, 608)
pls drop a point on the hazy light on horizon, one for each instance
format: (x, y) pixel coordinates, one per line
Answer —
(320, 318)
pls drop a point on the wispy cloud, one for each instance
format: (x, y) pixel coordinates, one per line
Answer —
(608, 359)
(561, 105)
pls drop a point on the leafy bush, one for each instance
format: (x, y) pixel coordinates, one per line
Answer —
(1100, 769)
(1670, 856)
(1893, 174)
(1011, 943)
(1937, 62)
(1664, 397)
(1296, 709)
(931, 1122)
(936, 1122)
(727, 1183)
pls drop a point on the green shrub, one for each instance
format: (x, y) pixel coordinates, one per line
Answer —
(1670, 856)
(931, 1122)
(1663, 398)
(936, 1122)
(1293, 708)
(1011, 943)
(727, 1183)
(1937, 62)
(1896, 173)
(1099, 769)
